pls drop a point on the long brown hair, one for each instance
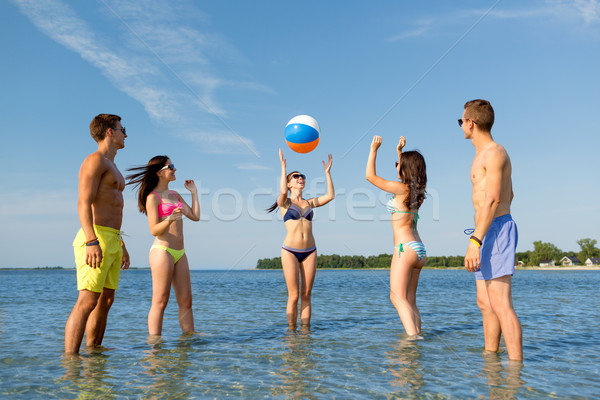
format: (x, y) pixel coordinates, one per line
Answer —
(146, 179)
(274, 206)
(413, 173)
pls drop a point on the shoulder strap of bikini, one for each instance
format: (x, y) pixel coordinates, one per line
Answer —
(308, 202)
(175, 194)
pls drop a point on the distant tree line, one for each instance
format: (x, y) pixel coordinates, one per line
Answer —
(541, 251)
(356, 262)
(334, 261)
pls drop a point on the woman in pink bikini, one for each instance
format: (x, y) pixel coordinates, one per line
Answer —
(165, 210)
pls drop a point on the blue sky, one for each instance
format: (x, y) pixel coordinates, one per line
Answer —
(212, 85)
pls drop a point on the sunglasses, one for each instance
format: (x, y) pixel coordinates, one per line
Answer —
(296, 176)
(170, 166)
(461, 121)
(122, 129)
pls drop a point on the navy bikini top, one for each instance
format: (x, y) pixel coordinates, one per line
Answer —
(295, 213)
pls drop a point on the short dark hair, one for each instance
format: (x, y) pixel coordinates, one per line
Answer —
(101, 123)
(481, 112)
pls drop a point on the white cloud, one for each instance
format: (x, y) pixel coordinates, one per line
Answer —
(219, 142)
(60, 23)
(154, 56)
(510, 14)
(589, 10)
(423, 26)
(252, 167)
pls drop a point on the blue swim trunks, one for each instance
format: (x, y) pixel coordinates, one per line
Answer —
(498, 249)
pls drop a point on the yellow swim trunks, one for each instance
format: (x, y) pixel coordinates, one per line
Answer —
(107, 275)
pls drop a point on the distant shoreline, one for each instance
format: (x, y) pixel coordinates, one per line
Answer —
(573, 268)
(53, 268)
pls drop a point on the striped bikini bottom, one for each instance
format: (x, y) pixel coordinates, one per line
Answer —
(418, 247)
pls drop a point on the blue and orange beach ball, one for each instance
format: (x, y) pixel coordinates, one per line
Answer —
(302, 133)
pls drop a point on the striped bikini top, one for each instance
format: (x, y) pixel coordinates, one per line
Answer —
(392, 209)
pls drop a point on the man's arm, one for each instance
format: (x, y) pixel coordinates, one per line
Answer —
(90, 176)
(493, 164)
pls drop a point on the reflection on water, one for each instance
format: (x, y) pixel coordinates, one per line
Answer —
(167, 368)
(404, 367)
(86, 376)
(297, 372)
(504, 382)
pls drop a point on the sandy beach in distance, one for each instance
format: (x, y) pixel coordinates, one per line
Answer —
(555, 268)
(560, 268)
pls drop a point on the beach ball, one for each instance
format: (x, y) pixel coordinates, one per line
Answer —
(302, 133)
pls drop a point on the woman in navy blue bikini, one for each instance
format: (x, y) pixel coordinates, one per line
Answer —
(409, 252)
(299, 253)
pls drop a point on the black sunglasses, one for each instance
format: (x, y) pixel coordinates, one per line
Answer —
(122, 129)
(296, 176)
(461, 122)
(170, 166)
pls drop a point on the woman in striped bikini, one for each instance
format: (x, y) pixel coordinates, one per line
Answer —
(299, 252)
(409, 252)
(168, 262)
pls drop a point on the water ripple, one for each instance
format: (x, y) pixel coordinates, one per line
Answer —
(355, 348)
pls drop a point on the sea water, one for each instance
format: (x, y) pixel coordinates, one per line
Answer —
(355, 348)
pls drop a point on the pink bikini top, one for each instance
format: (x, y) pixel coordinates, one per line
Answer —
(166, 209)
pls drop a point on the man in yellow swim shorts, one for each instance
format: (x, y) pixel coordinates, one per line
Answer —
(107, 275)
(100, 253)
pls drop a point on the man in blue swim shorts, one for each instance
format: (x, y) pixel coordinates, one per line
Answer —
(491, 251)
(498, 249)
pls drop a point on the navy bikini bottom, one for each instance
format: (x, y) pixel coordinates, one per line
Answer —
(300, 254)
